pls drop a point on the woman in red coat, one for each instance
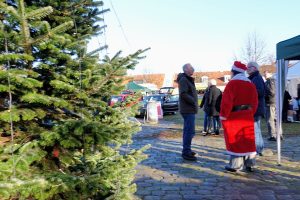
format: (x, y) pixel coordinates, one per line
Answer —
(239, 103)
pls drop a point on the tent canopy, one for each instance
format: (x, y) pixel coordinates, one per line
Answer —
(135, 87)
(289, 49)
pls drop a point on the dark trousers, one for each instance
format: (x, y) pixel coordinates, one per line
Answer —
(216, 123)
(207, 123)
(188, 132)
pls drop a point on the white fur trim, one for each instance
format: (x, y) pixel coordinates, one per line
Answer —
(241, 154)
(222, 118)
(237, 69)
(240, 76)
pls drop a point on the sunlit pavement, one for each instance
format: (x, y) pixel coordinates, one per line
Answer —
(165, 175)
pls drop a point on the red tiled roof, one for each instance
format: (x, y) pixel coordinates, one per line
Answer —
(157, 79)
(218, 76)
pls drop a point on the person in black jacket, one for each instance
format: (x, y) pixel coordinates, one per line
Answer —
(258, 81)
(285, 107)
(188, 107)
(214, 101)
(204, 105)
(270, 105)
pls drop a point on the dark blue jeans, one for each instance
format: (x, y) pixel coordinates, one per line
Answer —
(216, 123)
(188, 132)
(259, 141)
(207, 123)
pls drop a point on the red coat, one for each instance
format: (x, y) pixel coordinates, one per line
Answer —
(239, 125)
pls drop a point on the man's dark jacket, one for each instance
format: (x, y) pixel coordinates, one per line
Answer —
(258, 81)
(188, 98)
(204, 102)
(214, 101)
(270, 91)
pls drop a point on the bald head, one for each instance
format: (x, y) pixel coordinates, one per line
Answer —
(188, 69)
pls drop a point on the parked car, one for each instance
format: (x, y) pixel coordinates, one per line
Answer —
(166, 90)
(143, 104)
(116, 98)
(171, 104)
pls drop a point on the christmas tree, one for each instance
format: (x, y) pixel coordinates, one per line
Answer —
(59, 137)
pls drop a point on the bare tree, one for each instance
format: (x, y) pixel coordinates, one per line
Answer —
(254, 49)
(271, 59)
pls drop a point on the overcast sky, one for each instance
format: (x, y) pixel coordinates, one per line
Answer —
(205, 33)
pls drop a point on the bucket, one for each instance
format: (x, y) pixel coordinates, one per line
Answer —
(152, 112)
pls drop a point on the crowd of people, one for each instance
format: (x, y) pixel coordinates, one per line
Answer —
(239, 110)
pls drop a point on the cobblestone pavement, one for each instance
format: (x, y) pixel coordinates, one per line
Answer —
(165, 175)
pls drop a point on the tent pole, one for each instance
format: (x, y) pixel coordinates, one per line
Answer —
(281, 72)
(278, 107)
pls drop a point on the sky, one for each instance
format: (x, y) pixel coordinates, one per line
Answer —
(205, 33)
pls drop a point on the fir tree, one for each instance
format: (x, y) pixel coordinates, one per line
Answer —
(66, 138)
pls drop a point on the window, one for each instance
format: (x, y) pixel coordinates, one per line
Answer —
(204, 79)
(226, 78)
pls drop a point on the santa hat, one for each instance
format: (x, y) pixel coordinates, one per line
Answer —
(239, 67)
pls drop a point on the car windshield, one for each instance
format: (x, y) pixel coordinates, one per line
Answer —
(116, 98)
(166, 90)
(153, 98)
(174, 98)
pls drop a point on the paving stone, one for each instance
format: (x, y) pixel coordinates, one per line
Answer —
(187, 192)
(172, 188)
(158, 192)
(152, 198)
(296, 197)
(265, 192)
(267, 197)
(143, 184)
(285, 197)
(249, 197)
(204, 192)
(172, 197)
(143, 192)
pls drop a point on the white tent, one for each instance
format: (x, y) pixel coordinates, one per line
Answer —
(293, 79)
(285, 51)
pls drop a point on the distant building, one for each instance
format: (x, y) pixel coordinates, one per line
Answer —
(202, 79)
(153, 79)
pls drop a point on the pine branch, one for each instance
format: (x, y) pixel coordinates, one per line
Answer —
(9, 10)
(96, 50)
(14, 57)
(59, 29)
(39, 13)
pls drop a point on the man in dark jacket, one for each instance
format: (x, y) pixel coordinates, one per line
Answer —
(270, 105)
(214, 101)
(188, 107)
(207, 121)
(258, 81)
